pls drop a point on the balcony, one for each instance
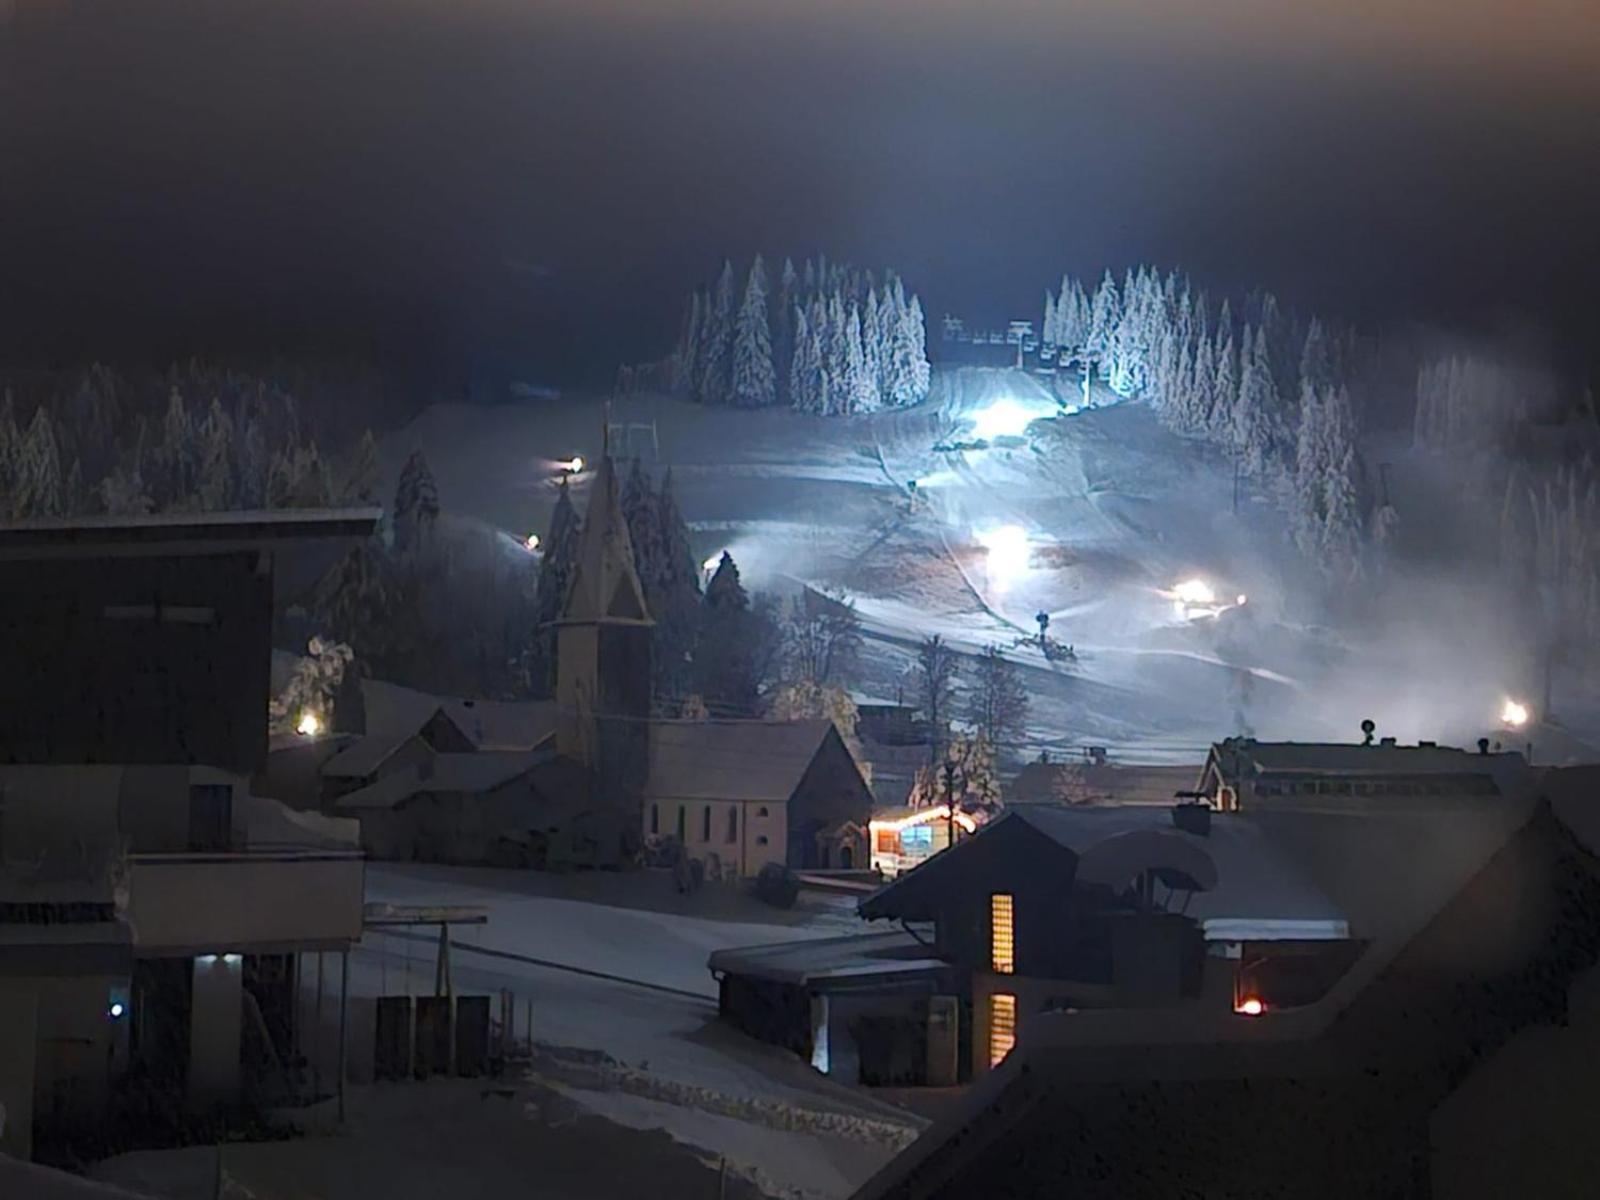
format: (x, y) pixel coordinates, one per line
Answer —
(260, 900)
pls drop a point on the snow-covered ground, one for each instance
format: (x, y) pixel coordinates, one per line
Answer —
(1108, 511)
(669, 1064)
(1114, 511)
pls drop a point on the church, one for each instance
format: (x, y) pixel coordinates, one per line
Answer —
(591, 778)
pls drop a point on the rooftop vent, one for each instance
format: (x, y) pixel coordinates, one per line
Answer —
(1387, 742)
(1427, 745)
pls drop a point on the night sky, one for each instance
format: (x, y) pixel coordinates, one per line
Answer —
(494, 188)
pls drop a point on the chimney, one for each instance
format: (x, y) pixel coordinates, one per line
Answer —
(1427, 745)
(1193, 818)
(1483, 746)
(1387, 742)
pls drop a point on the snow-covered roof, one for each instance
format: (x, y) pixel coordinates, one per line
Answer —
(34, 1182)
(396, 714)
(1346, 758)
(478, 772)
(820, 959)
(731, 760)
(1259, 892)
(396, 711)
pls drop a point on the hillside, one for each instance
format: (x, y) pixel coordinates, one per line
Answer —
(1114, 510)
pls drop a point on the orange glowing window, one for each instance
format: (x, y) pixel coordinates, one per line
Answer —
(1002, 1027)
(1002, 934)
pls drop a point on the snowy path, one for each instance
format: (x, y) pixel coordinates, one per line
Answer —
(704, 1070)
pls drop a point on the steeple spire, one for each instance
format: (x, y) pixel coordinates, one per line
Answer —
(605, 585)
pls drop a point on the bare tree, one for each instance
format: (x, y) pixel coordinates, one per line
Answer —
(936, 681)
(997, 705)
(823, 636)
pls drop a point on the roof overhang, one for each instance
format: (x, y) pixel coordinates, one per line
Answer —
(161, 535)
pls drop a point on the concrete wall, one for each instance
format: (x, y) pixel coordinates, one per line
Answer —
(213, 903)
(214, 1022)
(57, 814)
(18, 1046)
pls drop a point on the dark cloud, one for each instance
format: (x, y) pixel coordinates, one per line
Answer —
(490, 183)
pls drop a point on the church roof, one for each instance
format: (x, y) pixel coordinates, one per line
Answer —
(732, 760)
(605, 586)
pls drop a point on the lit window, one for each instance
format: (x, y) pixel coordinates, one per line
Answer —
(917, 837)
(888, 842)
(1002, 1027)
(1002, 940)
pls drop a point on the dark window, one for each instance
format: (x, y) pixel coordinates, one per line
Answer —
(762, 811)
(705, 824)
(683, 810)
(762, 840)
(655, 818)
(210, 817)
(733, 823)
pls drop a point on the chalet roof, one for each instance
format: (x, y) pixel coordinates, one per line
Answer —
(161, 534)
(605, 585)
(1346, 758)
(397, 714)
(1252, 890)
(732, 760)
(467, 774)
(814, 960)
(1347, 1040)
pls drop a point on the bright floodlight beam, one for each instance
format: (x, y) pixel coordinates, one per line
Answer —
(1008, 553)
(1514, 714)
(1004, 418)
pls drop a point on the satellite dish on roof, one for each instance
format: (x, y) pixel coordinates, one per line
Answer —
(1368, 728)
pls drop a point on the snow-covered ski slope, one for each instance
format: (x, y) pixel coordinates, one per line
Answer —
(1114, 511)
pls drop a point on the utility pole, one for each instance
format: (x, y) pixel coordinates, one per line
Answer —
(950, 798)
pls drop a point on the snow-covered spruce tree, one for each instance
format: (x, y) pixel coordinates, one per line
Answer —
(39, 482)
(216, 478)
(1104, 315)
(311, 688)
(860, 388)
(822, 637)
(1224, 392)
(1256, 412)
(726, 668)
(674, 596)
(805, 369)
(836, 357)
(754, 383)
(715, 357)
(416, 504)
(916, 326)
(783, 331)
(358, 483)
(1308, 509)
(997, 703)
(872, 348)
(686, 357)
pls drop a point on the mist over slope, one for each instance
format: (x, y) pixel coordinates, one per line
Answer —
(1113, 512)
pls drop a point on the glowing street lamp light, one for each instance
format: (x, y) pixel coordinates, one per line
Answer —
(1250, 1006)
(573, 465)
(531, 542)
(309, 724)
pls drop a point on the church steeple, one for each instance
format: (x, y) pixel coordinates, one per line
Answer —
(605, 583)
(603, 670)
